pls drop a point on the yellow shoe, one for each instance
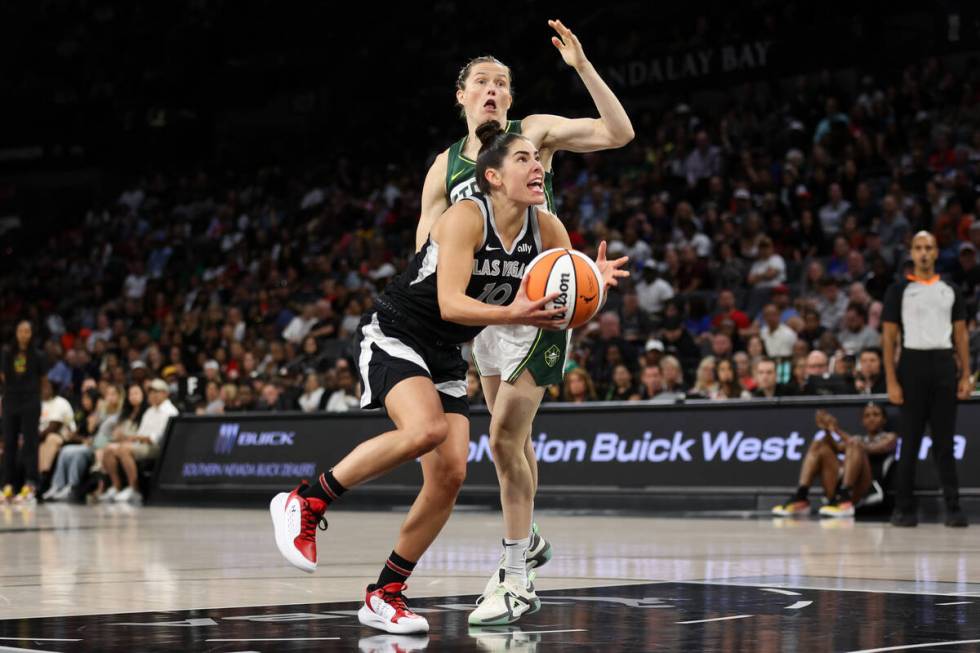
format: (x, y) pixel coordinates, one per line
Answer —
(842, 509)
(793, 506)
(7, 494)
(25, 496)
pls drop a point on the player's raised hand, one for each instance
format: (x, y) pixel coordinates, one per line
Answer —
(568, 45)
(611, 271)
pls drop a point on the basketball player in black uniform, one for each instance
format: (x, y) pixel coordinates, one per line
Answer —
(409, 361)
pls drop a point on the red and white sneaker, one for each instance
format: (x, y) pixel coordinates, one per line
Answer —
(295, 520)
(385, 609)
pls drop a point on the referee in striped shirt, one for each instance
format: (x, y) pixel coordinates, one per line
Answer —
(929, 317)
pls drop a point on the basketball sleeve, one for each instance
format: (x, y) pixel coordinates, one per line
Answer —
(892, 309)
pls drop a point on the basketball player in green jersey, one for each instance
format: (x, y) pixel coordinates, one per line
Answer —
(526, 359)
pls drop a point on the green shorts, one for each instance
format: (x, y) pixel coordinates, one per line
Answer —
(506, 351)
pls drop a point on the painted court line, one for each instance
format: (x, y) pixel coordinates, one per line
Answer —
(704, 621)
(778, 591)
(907, 647)
(534, 632)
(956, 603)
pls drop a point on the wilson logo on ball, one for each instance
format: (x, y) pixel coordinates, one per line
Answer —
(575, 278)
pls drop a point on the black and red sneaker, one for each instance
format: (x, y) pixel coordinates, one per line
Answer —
(295, 520)
(385, 609)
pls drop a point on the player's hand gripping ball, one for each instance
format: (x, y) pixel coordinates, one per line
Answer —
(576, 279)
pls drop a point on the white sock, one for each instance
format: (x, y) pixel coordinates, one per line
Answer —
(515, 557)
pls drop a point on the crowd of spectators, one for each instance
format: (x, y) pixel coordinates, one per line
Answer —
(761, 241)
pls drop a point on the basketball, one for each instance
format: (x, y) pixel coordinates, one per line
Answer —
(572, 274)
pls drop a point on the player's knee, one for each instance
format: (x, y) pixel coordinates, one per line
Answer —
(430, 434)
(453, 476)
(506, 447)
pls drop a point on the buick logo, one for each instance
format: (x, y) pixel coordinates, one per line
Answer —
(231, 436)
(227, 434)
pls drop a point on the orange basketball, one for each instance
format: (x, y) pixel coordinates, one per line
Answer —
(574, 276)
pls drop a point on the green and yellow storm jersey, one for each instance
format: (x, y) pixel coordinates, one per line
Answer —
(461, 180)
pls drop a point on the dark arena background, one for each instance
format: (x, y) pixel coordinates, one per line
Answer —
(200, 199)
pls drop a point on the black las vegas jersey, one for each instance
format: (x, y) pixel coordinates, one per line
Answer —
(496, 277)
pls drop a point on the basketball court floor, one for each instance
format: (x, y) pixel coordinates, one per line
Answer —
(120, 578)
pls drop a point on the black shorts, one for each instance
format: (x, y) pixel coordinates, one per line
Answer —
(389, 352)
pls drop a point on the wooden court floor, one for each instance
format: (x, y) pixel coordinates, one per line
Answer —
(713, 581)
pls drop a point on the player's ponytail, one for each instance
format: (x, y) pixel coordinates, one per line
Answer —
(494, 142)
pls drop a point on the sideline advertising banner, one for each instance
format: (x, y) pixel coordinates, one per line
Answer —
(736, 445)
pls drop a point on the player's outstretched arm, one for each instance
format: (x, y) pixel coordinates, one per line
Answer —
(434, 202)
(611, 129)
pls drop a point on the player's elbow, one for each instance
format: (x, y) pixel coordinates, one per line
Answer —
(449, 311)
(625, 135)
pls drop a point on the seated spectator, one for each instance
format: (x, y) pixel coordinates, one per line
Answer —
(868, 378)
(778, 338)
(651, 382)
(74, 460)
(345, 397)
(819, 380)
(769, 269)
(728, 386)
(744, 370)
(781, 299)
(636, 326)
(679, 343)
(578, 388)
(832, 213)
(314, 397)
(831, 304)
(212, 395)
(856, 335)
(866, 459)
(125, 454)
(622, 388)
(55, 429)
(271, 398)
(755, 348)
(311, 358)
(301, 325)
(651, 290)
(798, 375)
(764, 375)
(726, 308)
(812, 329)
(705, 383)
(966, 273)
(673, 376)
(229, 397)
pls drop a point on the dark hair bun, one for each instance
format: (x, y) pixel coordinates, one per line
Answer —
(487, 132)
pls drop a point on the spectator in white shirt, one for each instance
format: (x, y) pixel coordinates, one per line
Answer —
(832, 213)
(831, 304)
(312, 398)
(300, 325)
(345, 397)
(652, 292)
(703, 162)
(56, 427)
(145, 445)
(777, 337)
(856, 335)
(769, 269)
